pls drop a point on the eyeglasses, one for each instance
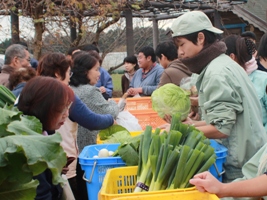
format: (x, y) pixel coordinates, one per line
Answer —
(28, 59)
(71, 73)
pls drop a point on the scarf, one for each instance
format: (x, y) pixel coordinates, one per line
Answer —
(251, 65)
(204, 57)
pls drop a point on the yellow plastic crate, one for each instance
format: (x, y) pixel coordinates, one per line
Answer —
(139, 103)
(120, 182)
(190, 195)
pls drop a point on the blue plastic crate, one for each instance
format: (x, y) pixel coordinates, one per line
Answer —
(221, 153)
(95, 168)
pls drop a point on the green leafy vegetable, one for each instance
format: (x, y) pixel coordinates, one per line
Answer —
(24, 153)
(105, 133)
(128, 154)
(118, 137)
(170, 99)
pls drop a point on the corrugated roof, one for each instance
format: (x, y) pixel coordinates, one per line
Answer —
(255, 12)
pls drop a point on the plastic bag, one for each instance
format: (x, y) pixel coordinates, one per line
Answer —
(128, 121)
(189, 84)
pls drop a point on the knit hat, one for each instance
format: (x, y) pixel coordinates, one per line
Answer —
(192, 22)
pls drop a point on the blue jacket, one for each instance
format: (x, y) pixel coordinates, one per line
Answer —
(17, 90)
(106, 81)
(81, 114)
(150, 82)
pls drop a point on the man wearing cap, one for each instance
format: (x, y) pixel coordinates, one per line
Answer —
(227, 98)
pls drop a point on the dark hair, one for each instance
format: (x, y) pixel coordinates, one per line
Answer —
(249, 35)
(148, 51)
(133, 60)
(39, 100)
(22, 74)
(262, 49)
(53, 63)
(168, 49)
(243, 48)
(230, 42)
(82, 63)
(89, 47)
(210, 37)
(71, 50)
(96, 55)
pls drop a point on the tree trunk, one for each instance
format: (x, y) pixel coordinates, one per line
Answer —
(14, 26)
(39, 29)
(73, 31)
(80, 31)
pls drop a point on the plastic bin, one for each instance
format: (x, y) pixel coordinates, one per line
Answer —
(139, 103)
(95, 168)
(221, 153)
(148, 118)
(121, 182)
(190, 195)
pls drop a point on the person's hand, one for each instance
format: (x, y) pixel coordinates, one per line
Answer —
(167, 118)
(134, 91)
(102, 89)
(194, 116)
(165, 127)
(114, 123)
(188, 120)
(206, 182)
(69, 161)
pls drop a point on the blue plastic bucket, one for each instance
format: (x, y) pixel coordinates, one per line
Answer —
(221, 153)
(95, 168)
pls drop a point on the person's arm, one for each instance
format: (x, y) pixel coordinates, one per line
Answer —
(210, 131)
(106, 82)
(148, 90)
(220, 103)
(132, 91)
(109, 85)
(255, 187)
(81, 114)
(96, 102)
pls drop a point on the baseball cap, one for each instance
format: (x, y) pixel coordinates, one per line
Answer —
(192, 22)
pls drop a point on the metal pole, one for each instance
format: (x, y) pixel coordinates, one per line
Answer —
(129, 32)
(155, 33)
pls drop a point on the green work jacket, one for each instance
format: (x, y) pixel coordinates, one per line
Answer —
(228, 101)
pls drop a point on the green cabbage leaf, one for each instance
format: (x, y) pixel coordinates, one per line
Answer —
(170, 99)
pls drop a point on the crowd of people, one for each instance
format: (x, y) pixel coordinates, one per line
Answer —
(232, 98)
